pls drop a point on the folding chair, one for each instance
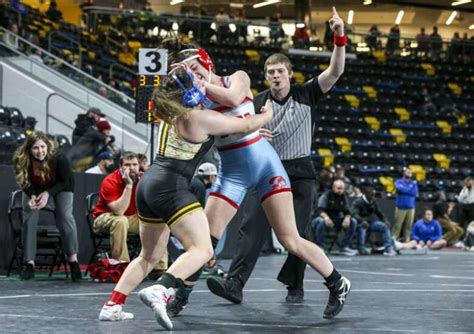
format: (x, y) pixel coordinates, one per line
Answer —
(48, 236)
(133, 240)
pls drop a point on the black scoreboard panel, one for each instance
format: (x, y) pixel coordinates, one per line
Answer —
(144, 106)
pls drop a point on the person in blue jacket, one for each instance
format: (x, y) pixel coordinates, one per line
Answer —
(407, 192)
(427, 232)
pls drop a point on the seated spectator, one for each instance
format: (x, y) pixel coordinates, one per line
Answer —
(105, 161)
(84, 122)
(203, 180)
(341, 175)
(356, 193)
(371, 219)
(301, 37)
(115, 211)
(143, 162)
(45, 177)
(426, 233)
(53, 13)
(466, 199)
(126, 57)
(452, 231)
(36, 55)
(334, 213)
(9, 37)
(423, 41)
(407, 192)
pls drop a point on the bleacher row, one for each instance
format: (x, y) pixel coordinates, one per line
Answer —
(382, 115)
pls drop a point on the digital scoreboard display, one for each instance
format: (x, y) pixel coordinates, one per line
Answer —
(144, 105)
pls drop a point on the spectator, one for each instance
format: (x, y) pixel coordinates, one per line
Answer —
(45, 177)
(301, 37)
(203, 180)
(466, 198)
(426, 233)
(326, 178)
(9, 37)
(84, 122)
(371, 219)
(393, 42)
(148, 7)
(372, 38)
(105, 162)
(341, 175)
(35, 55)
(423, 41)
(334, 213)
(94, 141)
(452, 231)
(53, 13)
(356, 193)
(276, 31)
(126, 57)
(103, 92)
(143, 162)
(455, 49)
(407, 192)
(222, 23)
(436, 44)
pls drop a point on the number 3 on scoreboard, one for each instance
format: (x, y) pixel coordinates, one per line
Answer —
(153, 61)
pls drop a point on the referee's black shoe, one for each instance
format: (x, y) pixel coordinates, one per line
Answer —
(230, 289)
(337, 297)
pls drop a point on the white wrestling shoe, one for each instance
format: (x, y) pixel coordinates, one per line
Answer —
(157, 297)
(114, 313)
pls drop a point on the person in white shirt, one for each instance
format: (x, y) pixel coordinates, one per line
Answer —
(105, 161)
(466, 199)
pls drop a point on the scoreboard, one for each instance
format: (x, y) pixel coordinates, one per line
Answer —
(152, 63)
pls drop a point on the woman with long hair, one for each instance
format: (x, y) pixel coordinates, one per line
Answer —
(45, 176)
(164, 201)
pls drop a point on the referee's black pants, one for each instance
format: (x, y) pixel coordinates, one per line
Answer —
(255, 227)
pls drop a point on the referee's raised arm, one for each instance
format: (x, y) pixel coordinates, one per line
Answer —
(328, 78)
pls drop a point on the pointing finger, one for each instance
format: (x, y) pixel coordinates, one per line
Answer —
(334, 12)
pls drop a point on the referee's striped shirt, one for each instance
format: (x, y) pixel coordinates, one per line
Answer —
(293, 118)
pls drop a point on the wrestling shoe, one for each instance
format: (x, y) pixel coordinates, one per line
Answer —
(114, 313)
(230, 289)
(337, 297)
(176, 306)
(157, 297)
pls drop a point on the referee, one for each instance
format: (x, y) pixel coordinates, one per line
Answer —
(290, 131)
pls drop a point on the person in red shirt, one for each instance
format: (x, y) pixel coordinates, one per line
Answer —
(115, 211)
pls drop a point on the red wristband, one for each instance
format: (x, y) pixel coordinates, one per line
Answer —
(340, 40)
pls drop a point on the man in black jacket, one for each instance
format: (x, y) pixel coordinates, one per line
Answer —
(371, 219)
(334, 212)
(84, 122)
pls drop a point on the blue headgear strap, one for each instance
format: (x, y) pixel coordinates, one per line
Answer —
(192, 96)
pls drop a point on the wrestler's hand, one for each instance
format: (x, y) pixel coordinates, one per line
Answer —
(266, 134)
(336, 23)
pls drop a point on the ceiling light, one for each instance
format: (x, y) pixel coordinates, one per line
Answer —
(175, 2)
(236, 5)
(460, 2)
(451, 18)
(350, 17)
(471, 27)
(265, 3)
(367, 2)
(399, 18)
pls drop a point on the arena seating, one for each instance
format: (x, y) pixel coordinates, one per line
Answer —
(374, 121)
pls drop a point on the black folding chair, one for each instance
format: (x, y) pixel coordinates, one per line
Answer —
(49, 243)
(133, 240)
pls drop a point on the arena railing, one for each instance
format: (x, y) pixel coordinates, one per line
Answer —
(74, 73)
